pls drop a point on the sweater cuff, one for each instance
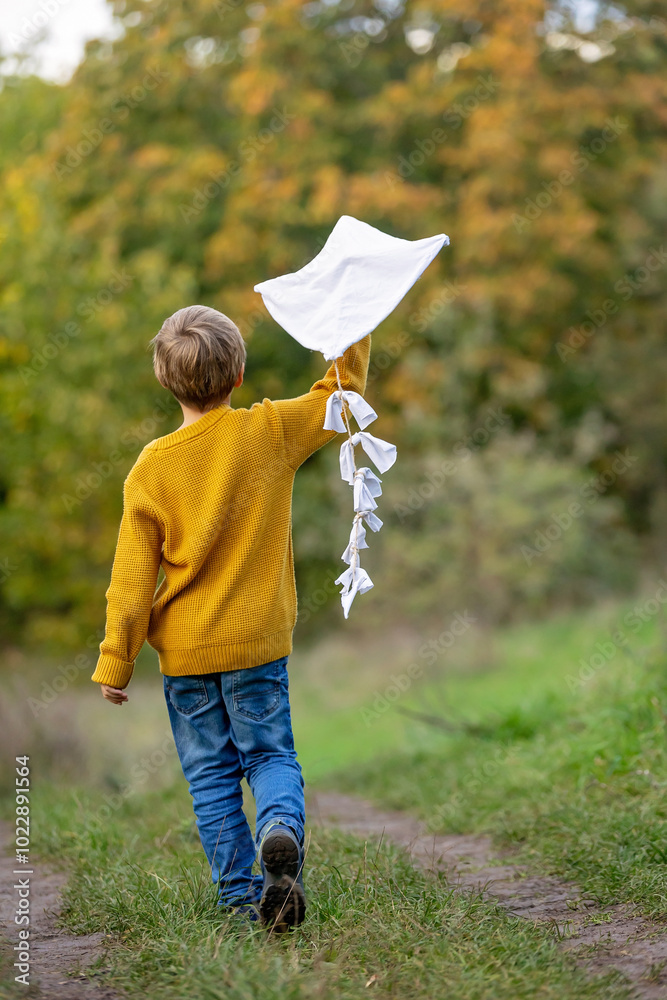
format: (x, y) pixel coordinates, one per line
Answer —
(112, 671)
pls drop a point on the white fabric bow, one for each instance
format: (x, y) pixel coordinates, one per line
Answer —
(381, 453)
(366, 486)
(355, 580)
(372, 520)
(362, 411)
(357, 541)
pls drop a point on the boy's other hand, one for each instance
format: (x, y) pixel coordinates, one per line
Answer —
(114, 695)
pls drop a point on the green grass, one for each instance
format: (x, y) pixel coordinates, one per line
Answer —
(573, 772)
(340, 709)
(343, 712)
(9, 989)
(373, 920)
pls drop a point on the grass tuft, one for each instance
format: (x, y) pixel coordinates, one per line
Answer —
(373, 921)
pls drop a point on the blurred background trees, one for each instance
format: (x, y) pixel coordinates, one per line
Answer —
(212, 146)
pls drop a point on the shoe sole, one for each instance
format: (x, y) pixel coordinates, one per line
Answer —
(283, 903)
(280, 855)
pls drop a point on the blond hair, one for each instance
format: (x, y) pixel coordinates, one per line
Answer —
(198, 355)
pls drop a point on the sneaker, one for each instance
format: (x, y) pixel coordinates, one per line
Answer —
(283, 903)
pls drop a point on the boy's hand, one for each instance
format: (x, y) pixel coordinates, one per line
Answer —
(114, 695)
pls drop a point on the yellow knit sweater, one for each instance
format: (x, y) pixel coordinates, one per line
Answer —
(212, 504)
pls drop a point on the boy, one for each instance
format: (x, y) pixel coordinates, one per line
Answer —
(211, 504)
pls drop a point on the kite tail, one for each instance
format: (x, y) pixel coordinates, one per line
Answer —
(355, 579)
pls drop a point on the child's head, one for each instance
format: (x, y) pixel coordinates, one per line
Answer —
(198, 355)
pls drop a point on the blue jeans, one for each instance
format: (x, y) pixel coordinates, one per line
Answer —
(228, 726)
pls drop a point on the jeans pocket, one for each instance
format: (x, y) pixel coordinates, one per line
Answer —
(187, 694)
(256, 690)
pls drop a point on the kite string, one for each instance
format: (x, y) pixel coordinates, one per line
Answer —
(357, 516)
(344, 411)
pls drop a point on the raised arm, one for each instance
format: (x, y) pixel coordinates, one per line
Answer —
(295, 425)
(130, 594)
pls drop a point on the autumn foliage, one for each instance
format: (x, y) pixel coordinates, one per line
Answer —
(215, 145)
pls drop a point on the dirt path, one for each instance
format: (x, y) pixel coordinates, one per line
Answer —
(55, 954)
(601, 938)
(604, 938)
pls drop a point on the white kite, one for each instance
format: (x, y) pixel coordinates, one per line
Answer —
(358, 277)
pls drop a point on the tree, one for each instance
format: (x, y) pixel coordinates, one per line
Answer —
(213, 146)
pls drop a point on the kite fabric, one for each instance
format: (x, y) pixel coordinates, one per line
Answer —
(358, 278)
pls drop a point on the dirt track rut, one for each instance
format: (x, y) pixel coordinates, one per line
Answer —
(601, 938)
(58, 959)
